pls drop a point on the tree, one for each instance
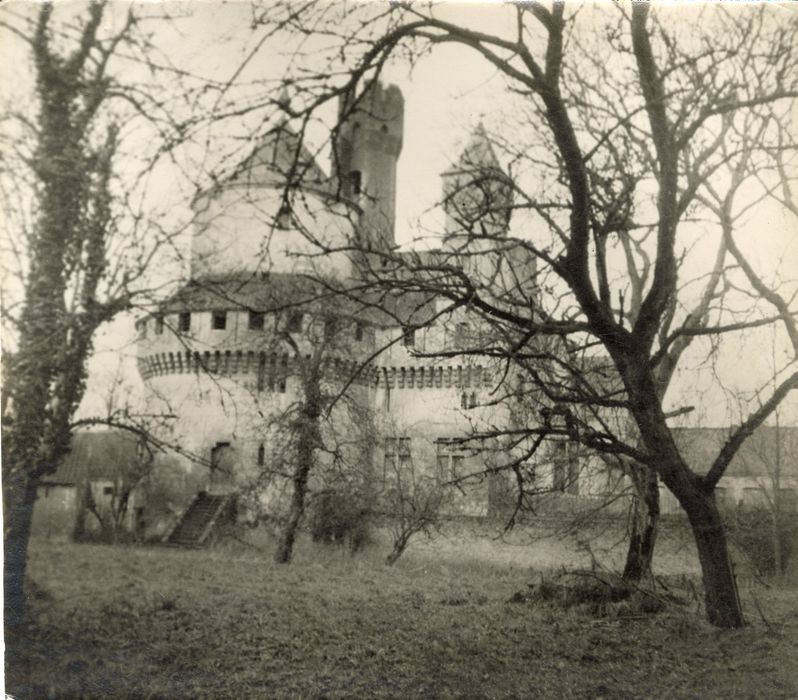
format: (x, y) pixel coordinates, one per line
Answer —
(622, 172)
(81, 243)
(413, 499)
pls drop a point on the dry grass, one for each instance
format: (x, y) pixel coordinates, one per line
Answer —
(157, 622)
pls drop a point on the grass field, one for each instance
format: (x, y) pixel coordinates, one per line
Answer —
(226, 623)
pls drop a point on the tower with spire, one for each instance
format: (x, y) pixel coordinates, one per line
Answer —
(477, 193)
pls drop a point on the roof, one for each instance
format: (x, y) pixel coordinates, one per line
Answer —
(478, 155)
(276, 159)
(768, 447)
(277, 291)
(102, 455)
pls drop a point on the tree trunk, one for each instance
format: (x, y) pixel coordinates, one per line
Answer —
(19, 497)
(285, 548)
(722, 601)
(399, 546)
(645, 522)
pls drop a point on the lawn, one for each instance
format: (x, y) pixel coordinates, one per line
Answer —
(227, 623)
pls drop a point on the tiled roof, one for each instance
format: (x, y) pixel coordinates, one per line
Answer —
(759, 455)
(102, 455)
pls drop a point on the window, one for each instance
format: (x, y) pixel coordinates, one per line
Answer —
(281, 382)
(472, 400)
(143, 329)
(329, 328)
(294, 324)
(451, 456)
(108, 490)
(184, 322)
(158, 325)
(461, 335)
(285, 217)
(464, 400)
(397, 454)
(256, 320)
(358, 331)
(409, 337)
(219, 321)
(261, 455)
(356, 180)
(565, 467)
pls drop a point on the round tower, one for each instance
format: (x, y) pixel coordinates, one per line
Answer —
(232, 353)
(367, 151)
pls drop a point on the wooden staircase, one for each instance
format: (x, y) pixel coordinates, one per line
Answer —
(199, 519)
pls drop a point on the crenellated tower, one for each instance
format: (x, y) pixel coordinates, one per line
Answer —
(367, 151)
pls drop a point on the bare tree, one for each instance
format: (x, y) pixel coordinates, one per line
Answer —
(80, 243)
(413, 498)
(623, 172)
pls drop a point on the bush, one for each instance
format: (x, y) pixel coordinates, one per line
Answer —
(752, 530)
(339, 518)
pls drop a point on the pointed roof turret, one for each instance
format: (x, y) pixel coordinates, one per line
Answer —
(478, 154)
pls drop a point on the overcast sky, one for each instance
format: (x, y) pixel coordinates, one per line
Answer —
(446, 96)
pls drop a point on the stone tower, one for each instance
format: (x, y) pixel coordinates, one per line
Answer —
(367, 150)
(477, 193)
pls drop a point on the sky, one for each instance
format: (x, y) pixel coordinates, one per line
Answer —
(446, 95)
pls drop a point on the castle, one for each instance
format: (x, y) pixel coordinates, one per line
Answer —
(257, 332)
(231, 354)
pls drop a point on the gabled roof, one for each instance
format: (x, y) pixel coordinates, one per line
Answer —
(99, 456)
(758, 456)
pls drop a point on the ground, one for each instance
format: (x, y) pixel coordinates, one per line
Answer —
(151, 622)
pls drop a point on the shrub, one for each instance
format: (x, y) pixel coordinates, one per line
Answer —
(340, 518)
(753, 531)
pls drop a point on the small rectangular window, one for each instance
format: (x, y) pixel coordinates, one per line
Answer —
(256, 320)
(219, 322)
(158, 325)
(108, 490)
(285, 218)
(329, 328)
(184, 322)
(409, 337)
(294, 324)
(356, 178)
